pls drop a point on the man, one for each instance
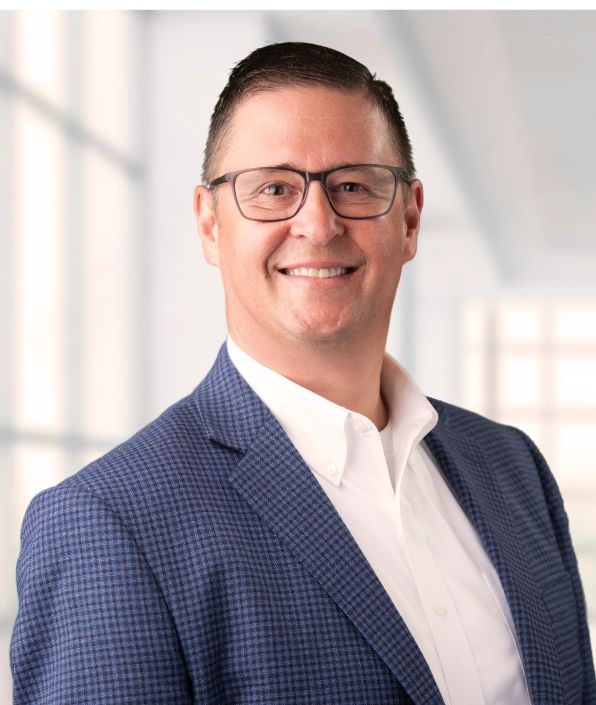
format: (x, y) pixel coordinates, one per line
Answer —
(284, 534)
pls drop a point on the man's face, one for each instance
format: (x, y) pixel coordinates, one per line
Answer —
(310, 128)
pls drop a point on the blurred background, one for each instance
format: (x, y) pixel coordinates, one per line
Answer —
(108, 313)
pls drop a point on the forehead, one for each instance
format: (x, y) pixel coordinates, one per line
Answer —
(310, 127)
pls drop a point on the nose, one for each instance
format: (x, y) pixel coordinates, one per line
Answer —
(316, 220)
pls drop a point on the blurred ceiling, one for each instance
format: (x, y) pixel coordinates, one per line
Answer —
(507, 102)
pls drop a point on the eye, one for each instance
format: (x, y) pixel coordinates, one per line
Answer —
(350, 187)
(275, 189)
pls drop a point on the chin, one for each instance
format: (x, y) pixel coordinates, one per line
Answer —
(313, 332)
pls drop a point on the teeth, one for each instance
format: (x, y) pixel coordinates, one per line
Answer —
(317, 273)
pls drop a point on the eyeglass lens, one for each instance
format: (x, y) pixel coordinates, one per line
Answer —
(354, 192)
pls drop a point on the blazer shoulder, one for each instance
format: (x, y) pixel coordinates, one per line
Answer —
(82, 578)
(171, 456)
(469, 423)
(507, 445)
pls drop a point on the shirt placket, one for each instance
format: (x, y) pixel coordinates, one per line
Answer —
(455, 655)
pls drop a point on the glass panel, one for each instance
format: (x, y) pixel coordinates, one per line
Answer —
(7, 240)
(581, 506)
(109, 276)
(518, 380)
(8, 533)
(574, 453)
(474, 381)
(39, 252)
(519, 324)
(39, 53)
(109, 93)
(36, 467)
(5, 673)
(475, 324)
(574, 324)
(580, 509)
(575, 380)
(7, 23)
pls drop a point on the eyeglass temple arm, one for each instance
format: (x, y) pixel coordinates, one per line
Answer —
(217, 182)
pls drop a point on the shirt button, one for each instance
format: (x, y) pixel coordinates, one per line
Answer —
(332, 470)
(357, 425)
(440, 609)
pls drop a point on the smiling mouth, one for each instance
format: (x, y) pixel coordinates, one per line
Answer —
(323, 273)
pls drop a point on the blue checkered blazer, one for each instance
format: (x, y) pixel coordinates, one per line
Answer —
(201, 562)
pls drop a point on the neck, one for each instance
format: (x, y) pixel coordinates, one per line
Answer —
(346, 374)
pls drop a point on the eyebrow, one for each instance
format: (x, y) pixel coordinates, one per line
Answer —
(286, 165)
(293, 165)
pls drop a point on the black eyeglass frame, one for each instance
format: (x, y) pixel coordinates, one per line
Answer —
(399, 174)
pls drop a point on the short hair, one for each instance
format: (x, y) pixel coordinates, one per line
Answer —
(299, 63)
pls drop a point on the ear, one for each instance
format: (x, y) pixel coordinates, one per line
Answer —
(204, 208)
(412, 215)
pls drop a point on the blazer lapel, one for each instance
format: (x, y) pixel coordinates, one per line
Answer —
(474, 479)
(275, 481)
(273, 478)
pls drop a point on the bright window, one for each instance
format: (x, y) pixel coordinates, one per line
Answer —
(71, 186)
(533, 365)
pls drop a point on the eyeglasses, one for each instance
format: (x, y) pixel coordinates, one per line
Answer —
(358, 191)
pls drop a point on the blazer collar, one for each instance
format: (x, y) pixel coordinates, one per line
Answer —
(232, 414)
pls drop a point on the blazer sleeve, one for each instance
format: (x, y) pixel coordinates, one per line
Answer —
(560, 524)
(92, 626)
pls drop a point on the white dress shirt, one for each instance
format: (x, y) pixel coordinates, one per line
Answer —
(393, 499)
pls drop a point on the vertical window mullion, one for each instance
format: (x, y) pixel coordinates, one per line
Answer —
(74, 235)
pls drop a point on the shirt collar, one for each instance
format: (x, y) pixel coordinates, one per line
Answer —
(321, 430)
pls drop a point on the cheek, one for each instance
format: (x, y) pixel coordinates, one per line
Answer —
(390, 262)
(385, 249)
(245, 254)
(264, 247)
